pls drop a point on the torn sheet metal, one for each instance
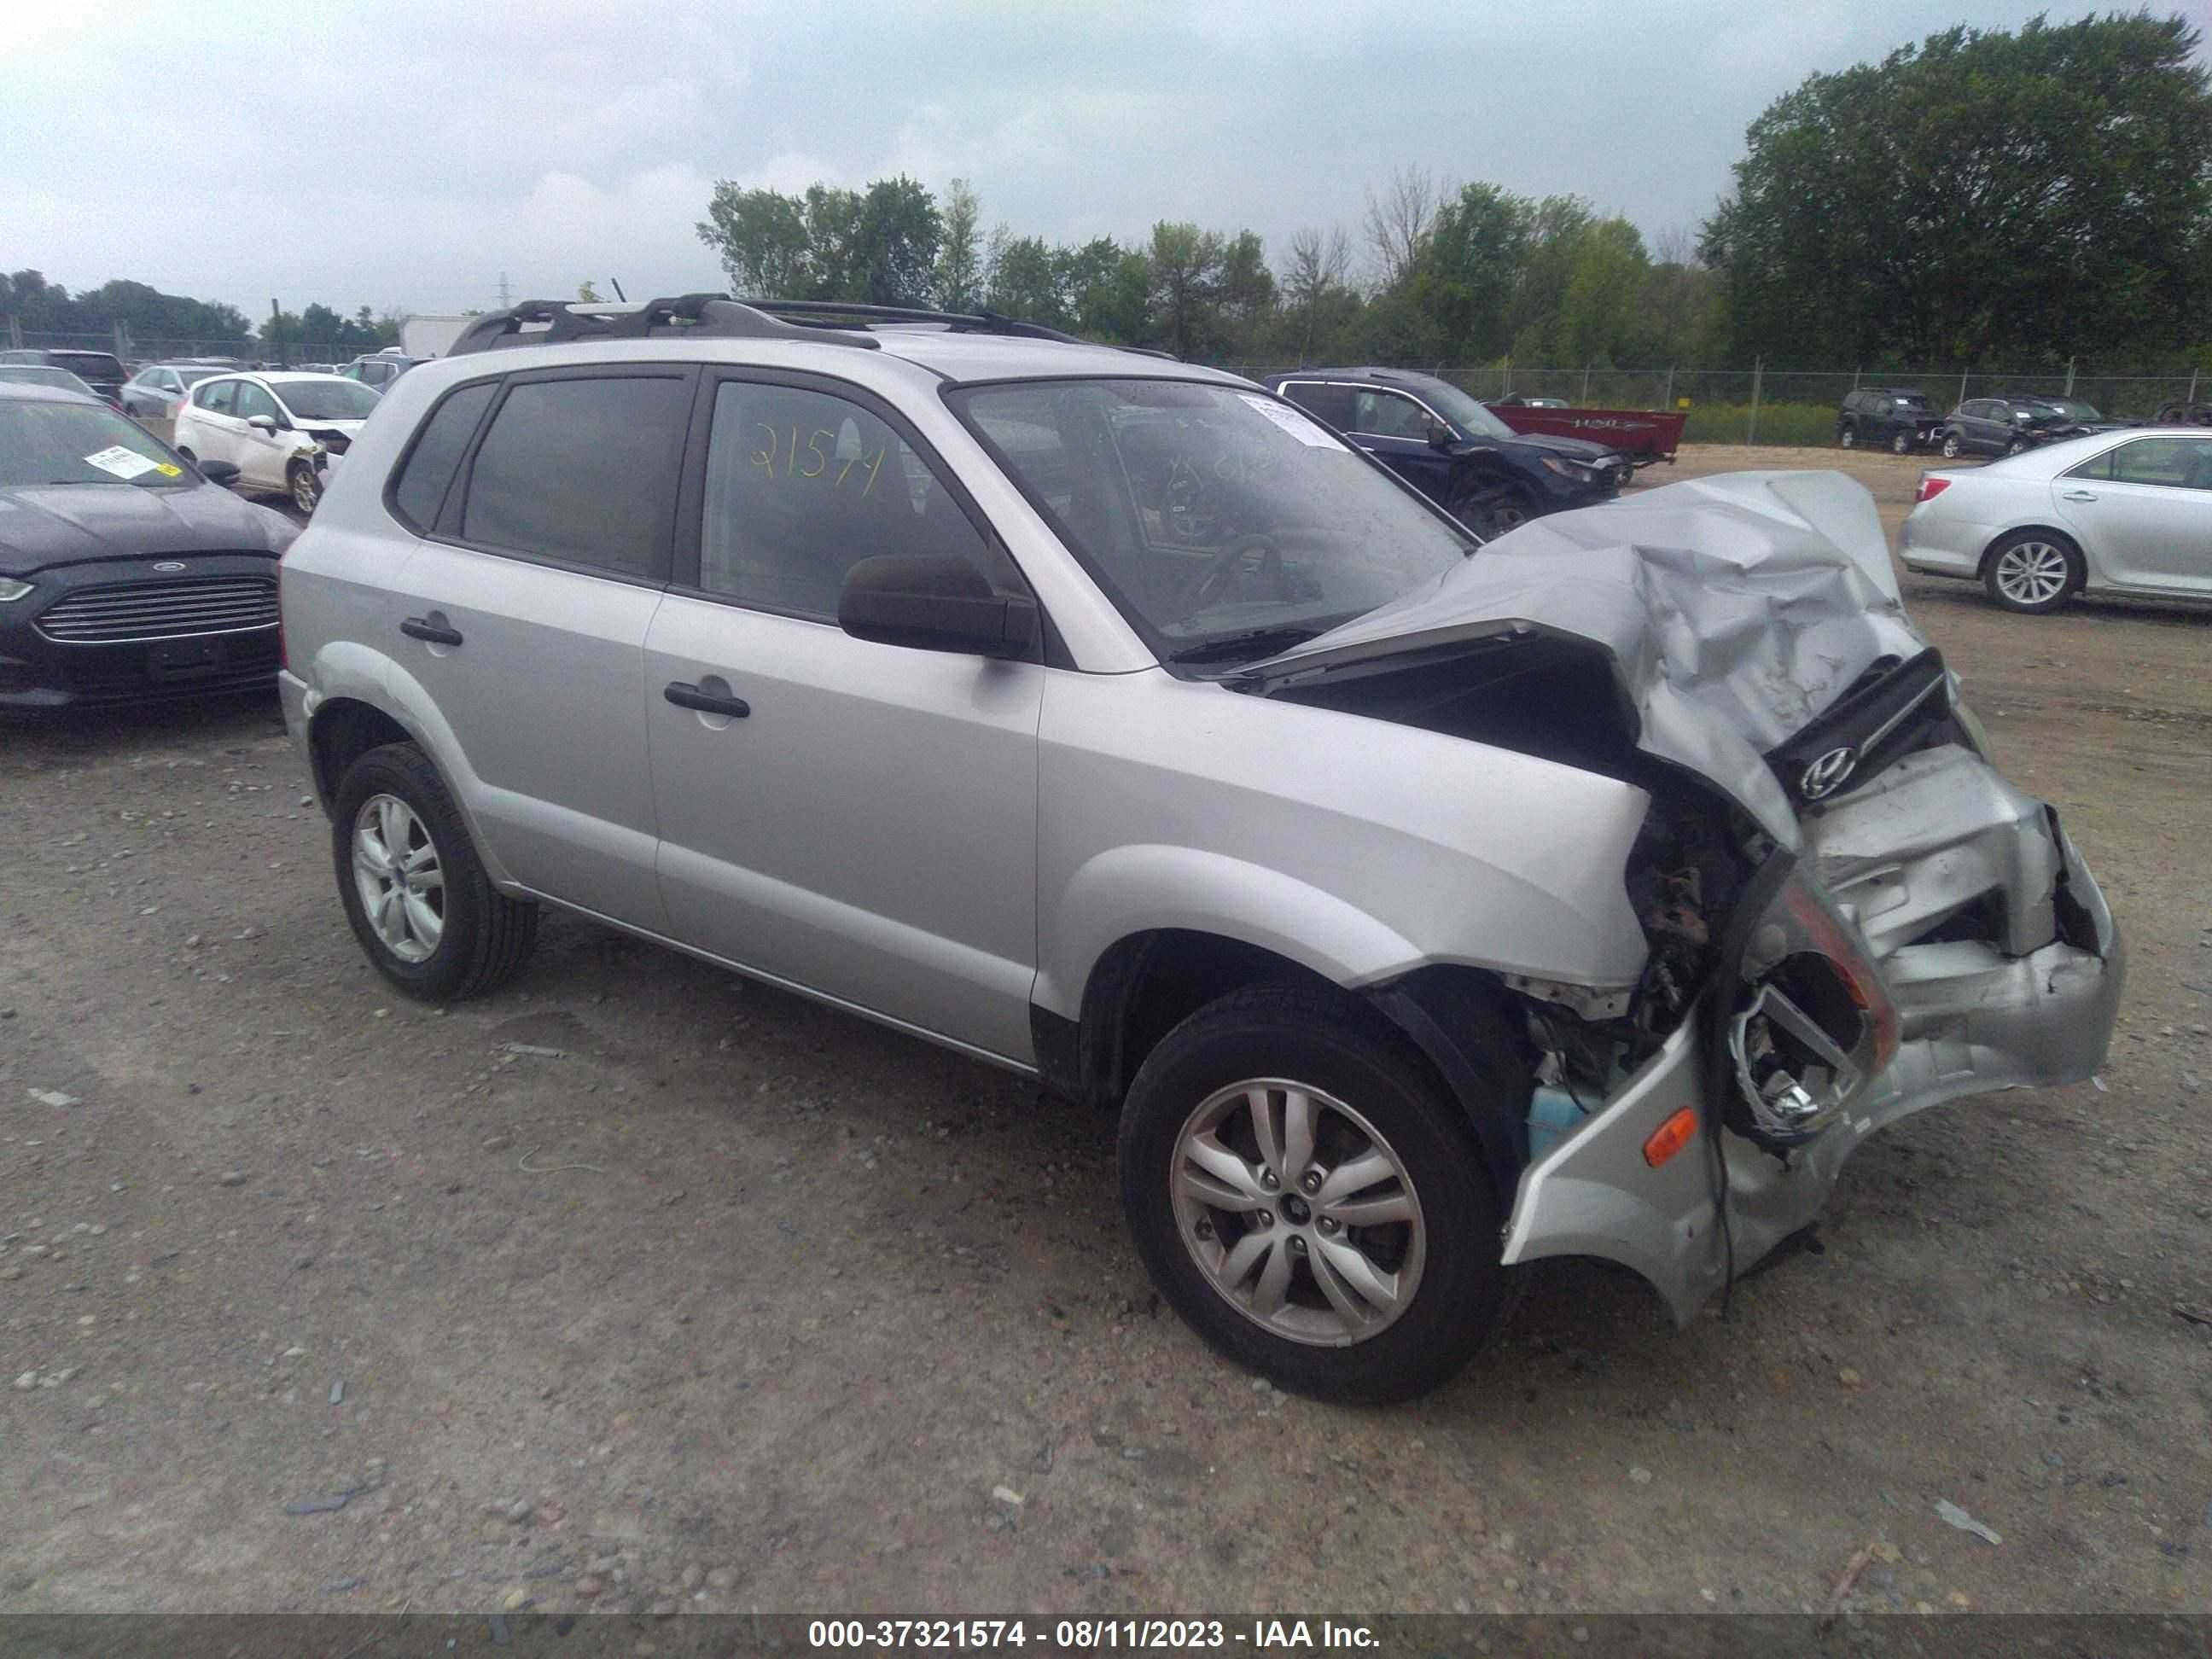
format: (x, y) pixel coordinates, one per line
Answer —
(1733, 611)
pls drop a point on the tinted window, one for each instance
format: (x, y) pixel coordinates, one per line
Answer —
(801, 486)
(1332, 403)
(90, 365)
(254, 400)
(430, 465)
(1387, 414)
(582, 470)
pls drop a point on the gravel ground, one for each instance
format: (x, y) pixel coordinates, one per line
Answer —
(311, 1298)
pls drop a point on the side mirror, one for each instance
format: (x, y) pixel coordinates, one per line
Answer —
(263, 424)
(933, 605)
(1441, 436)
(217, 472)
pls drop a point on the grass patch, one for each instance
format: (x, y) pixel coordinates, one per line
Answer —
(1811, 425)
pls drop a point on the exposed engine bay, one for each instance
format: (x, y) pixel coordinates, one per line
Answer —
(1847, 912)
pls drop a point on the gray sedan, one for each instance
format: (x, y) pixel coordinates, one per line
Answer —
(2127, 512)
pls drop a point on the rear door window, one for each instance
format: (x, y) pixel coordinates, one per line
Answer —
(582, 470)
(218, 397)
(1332, 403)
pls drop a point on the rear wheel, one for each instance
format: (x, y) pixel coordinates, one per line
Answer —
(188, 455)
(1950, 446)
(1900, 443)
(2033, 571)
(1309, 1198)
(1847, 437)
(412, 886)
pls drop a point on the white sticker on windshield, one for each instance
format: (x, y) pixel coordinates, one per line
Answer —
(123, 462)
(1307, 432)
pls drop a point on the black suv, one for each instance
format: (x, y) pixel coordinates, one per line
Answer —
(1452, 449)
(100, 370)
(1897, 419)
(2000, 426)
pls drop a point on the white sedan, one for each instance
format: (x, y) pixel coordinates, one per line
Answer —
(2127, 512)
(278, 429)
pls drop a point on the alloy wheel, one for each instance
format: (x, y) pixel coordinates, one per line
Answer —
(396, 873)
(1298, 1212)
(2032, 573)
(306, 492)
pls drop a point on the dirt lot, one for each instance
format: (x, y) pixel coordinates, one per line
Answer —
(311, 1298)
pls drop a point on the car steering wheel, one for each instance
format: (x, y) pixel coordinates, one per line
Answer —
(1227, 567)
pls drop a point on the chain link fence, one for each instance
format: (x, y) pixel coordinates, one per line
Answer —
(135, 350)
(1799, 406)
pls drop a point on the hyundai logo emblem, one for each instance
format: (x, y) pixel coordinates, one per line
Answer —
(170, 564)
(1828, 774)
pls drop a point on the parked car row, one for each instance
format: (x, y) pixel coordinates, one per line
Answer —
(1902, 420)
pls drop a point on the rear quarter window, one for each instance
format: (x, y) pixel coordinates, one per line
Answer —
(428, 471)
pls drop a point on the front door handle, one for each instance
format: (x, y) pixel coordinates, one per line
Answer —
(686, 695)
(2078, 495)
(416, 628)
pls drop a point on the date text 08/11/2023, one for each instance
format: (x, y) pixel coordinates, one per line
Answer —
(1088, 1634)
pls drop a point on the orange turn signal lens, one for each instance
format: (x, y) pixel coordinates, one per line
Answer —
(1670, 1137)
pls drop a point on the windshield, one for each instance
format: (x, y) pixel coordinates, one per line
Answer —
(59, 443)
(194, 376)
(32, 374)
(327, 400)
(2073, 409)
(1461, 411)
(1224, 524)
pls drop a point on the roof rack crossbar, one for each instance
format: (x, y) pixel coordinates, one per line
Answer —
(554, 322)
(956, 322)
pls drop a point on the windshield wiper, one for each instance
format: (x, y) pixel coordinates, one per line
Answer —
(1253, 642)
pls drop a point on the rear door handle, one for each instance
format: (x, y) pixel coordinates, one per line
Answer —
(686, 695)
(415, 627)
(2078, 495)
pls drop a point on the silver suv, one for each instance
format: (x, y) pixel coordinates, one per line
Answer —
(1423, 908)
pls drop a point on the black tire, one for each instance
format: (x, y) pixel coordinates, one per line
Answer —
(1510, 511)
(1327, 1043)
(1900, 443)
(2015, 446)
(2009, 581)
(303, 487)
(188, 455)
(1951, 446)
(1847, 436)
(485, 936)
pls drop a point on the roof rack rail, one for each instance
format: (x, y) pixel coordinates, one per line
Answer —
(955, 322)
(556, 322)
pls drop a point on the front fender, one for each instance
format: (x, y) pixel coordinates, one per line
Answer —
(1137, 889)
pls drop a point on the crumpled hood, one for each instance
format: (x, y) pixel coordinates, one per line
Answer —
(1732, 609)
(69, 524)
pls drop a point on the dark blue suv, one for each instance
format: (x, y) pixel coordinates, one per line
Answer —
(1452, 449)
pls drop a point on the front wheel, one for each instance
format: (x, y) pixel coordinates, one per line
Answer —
(1308, 1197)
(1950, 446)
(1900, 443)
(1847, 437)
(412, 886)
(306, 489)
(2033, 571)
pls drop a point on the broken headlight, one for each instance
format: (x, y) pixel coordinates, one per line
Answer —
(1812, 1022)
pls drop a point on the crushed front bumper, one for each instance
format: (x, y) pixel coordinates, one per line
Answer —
(2006, 968)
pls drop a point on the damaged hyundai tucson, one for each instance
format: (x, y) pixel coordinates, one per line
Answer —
(1422, 907)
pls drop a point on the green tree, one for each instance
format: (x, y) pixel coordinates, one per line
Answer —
(892, 257)
(320, 327)
(1025, 278)
(960, 250)
(762, 238)
(1985, 195)
(1186, 268)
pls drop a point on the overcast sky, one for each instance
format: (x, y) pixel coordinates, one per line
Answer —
(404, 154)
